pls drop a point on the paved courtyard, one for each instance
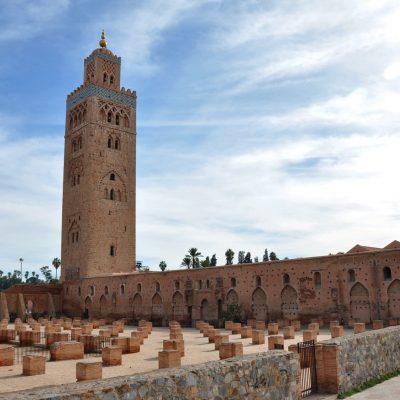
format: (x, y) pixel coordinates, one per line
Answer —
(197, 350)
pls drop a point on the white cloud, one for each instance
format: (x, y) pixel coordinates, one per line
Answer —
(23, 20)
(30, 214)
(392, 71)
(300, 198)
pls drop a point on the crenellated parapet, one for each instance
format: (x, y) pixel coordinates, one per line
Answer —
(123, 96)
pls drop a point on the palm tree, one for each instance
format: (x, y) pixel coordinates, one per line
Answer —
(56, 264)
(26, 275)
(21, 260)
(194, 257)
(186, 262)
(229, 254)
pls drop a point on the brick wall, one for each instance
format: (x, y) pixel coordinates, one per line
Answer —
(256, 376)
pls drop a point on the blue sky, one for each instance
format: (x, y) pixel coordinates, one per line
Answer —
(260, 123)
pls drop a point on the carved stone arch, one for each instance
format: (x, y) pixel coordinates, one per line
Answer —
(103, 305)
(157, 309)
(360, 307)
(232, 297)
(259, 305)
(116, 186)
(289, 303)
(205, 310)
(394, 299)
(178, 306)
(88, 306)
(137, 306)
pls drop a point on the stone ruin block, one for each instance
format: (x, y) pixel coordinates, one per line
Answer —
(377, 324)
(246, 332)
(236, 328)
(260, 325)
(333, 323)
(205, 327)
(33, 364)
(273, 328)
(66, 351)
(91, 343)
(114, 330)
(11, 334)
(198, 323)
(393, 322)
(314, 326)
(282, 323)
(76, 323)
(137, 335)
(275, 340)
(288, 332)
(111, 355)
(121, 342)
(176, 336)
(230, 349)
(211, 335)
(169, 359)
(6, 355)
(175, 345)
(258, 336)
(133, 345)
(359, 327)
(337, 331)
(296, 325)
(228, 325)
(220, 338)
(56, 337)
(88, 370)
(251, 323)
(309, 335)
(87, 329)
(144, 332)
(75, 333)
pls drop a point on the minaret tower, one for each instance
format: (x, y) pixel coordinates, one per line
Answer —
(98, 216)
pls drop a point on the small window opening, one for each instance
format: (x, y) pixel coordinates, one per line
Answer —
(105, 289)
(352, 275)
(387, 274)
(109, 116)
(117, 119)
(112, 194)
(317, 280)
(157, 286)
(122, 289)
(111, 79)
(105, 78)
(112, 251)
(258, 281)
(112, 177)
(116, 144)
(233, 282)
(286, 279)
(139, 287)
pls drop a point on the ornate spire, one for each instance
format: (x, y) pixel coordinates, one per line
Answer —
(103, 42)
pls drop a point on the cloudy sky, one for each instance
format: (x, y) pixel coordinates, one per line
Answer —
(260, 123)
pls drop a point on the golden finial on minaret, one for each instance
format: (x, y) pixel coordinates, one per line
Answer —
(103, 42)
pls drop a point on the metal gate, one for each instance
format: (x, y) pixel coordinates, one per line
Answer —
(308, 371)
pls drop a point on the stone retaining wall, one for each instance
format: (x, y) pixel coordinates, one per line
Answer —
(269, 375)
(348, 361)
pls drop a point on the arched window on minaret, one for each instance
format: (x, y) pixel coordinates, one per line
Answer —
(126, 122)
(109, 117)
(112, 177)
(105, 77)
(112, 250)
(112, 194)
(119, 195)
(117, 119)
(116, 144)
(106, 193)
(111, 79)
(109, 144)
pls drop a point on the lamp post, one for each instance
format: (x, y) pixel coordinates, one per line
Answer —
(21, 260)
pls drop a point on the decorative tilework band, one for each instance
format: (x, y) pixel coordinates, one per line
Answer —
(108, 94)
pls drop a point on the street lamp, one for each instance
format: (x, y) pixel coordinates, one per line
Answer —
(21, 260)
